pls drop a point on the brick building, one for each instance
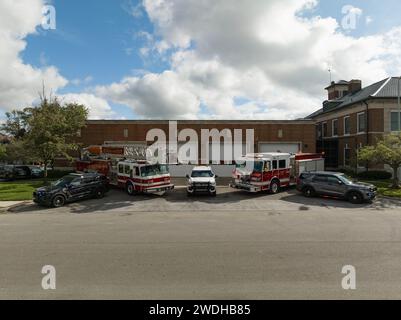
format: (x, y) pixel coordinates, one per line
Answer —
(269, 135)
(353, 117)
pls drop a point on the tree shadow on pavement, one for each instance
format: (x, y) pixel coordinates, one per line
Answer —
(379, 203)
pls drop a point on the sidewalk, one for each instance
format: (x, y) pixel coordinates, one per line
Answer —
(9, 204)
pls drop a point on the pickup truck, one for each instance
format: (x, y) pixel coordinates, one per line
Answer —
(201, 180)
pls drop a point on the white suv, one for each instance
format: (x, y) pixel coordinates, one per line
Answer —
(202, 179)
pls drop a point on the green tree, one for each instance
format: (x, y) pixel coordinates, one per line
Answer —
(18, 150)
(52, 128)
(386, 151)
(2, 151)
(16, 124)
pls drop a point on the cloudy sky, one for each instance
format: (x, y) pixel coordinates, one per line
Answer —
(194, 59)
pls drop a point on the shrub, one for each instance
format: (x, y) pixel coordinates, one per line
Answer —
(375, 175)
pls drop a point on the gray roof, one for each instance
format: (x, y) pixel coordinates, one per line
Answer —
(386, 88)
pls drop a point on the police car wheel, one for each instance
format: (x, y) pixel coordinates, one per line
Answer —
(308, 192)
(58, 201)
(355, 198)
(99, 194)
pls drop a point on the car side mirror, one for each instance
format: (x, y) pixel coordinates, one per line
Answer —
(340, 182)
(187, 176)
(216, 176)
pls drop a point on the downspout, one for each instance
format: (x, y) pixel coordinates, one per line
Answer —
(367, 129)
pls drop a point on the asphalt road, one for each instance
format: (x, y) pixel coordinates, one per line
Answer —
(236, 246)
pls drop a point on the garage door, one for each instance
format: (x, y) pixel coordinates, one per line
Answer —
(237, 150)
(279, 147)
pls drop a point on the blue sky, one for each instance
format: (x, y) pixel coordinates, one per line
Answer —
(100, 38)
(97, 43)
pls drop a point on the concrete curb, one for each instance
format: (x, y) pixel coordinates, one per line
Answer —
(16, 205)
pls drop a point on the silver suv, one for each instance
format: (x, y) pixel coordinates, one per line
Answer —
(202, 179)
(335, 184)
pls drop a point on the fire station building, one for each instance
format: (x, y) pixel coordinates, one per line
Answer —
(291, 136)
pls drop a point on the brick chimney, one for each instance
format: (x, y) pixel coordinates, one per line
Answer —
(337, 90)
(354, 86)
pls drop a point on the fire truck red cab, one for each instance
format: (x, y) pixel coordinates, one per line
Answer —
(134, 175)
(258, 172)
(143, 177)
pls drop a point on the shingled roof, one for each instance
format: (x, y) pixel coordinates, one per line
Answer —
(387, 88)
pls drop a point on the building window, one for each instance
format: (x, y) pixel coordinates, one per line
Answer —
(324, 129)
(125, 133)
(347, 156)
(347, 123)
(361, 122)
(280, 133)
(334, 128)
(394, 121)
(319, 131)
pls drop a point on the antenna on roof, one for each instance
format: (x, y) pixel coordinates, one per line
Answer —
(329, 70)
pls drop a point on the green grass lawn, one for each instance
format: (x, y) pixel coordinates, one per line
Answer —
(384, 189)
(18, 190)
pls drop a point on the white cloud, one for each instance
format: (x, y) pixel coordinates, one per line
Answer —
(21, 82)
(98, 107)
(265, 52)
(228, 59)
(154, 95)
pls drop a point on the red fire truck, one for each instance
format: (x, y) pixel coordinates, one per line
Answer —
(134, 175)
(257, 172)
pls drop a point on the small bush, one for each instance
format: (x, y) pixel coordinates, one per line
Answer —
(375, 175)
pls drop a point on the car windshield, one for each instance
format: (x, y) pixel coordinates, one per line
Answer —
(345, 179)
(202, 174)
(153, 170)
(255, 166)
(64, 181)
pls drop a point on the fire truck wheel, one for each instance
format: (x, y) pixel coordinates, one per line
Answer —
(275, 186)
(130, 189)
(308, 192)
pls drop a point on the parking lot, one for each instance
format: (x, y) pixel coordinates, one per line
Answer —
(237, 245)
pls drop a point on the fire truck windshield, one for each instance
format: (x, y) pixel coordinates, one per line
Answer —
(249, 165)
(153, 170)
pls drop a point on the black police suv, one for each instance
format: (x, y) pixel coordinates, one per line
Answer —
(72, 187)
